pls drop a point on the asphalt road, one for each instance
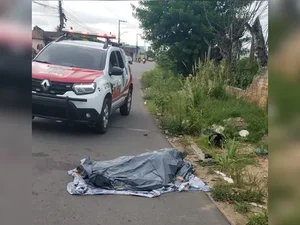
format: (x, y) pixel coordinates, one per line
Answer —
(57, 148)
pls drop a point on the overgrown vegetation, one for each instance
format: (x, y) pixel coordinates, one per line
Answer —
(189, 105)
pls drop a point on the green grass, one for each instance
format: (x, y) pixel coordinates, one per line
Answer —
(242, 207)
(228, 193)
(260, 219)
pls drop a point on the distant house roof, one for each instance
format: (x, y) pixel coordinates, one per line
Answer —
(52, 34)
(37, 35)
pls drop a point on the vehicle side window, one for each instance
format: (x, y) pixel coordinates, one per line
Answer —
(120, 59)
(113, 60)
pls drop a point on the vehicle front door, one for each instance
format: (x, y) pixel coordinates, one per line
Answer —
(124, 65)
(116, 80)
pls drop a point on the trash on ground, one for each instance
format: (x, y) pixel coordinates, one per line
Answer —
(207, 156)
(261, 151)
(217, 139)
(217, 128)
(148, 175)
(228, 179)
(244, 133)
(257, 205)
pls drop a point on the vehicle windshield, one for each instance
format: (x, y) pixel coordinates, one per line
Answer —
(73, 56)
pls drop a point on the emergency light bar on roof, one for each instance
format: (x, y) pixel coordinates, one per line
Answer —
(76, 35)
(99, 35)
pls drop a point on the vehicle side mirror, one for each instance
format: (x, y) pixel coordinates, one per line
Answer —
(117, 71)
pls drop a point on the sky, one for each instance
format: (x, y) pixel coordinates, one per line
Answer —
(90, 16)
(99, 16)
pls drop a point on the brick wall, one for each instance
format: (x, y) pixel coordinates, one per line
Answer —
(257, 92)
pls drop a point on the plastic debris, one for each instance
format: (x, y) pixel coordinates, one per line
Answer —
(217, 139)
(228, 179)
(244, 133)
(217, 128)
(261, 151)
(257, 205)
(207, 156)
(148, 175)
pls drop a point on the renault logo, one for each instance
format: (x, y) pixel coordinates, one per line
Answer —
(45, 85)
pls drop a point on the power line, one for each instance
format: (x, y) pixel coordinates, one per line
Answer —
(45, 5)
(79, 24)
(70, 18)
(73, 18)
(38, 14)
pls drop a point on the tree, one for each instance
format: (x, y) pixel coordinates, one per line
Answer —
(258, 45)
(189, 30)
(227, 21)
(178, 26)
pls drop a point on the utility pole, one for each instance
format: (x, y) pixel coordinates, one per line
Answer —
(119, 30)
(60, 13)
(62, 16)
(136, 48)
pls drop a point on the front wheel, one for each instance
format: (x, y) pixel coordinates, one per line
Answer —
(101, 125)
(125, 109)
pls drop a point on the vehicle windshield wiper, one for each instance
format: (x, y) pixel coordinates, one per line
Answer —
(41, 61)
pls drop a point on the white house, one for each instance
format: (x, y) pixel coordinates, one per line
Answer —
(37, 39)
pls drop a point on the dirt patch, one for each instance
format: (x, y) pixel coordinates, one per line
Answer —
(259, 171)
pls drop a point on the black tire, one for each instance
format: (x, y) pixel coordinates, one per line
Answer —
(125, 109)
(101, 126)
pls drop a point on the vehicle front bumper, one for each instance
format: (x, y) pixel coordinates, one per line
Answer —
(61, 108)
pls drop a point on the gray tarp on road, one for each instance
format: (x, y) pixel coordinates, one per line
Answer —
(148, 174)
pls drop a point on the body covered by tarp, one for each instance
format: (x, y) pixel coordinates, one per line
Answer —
(153, 172)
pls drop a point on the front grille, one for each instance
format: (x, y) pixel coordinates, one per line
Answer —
(56, 88)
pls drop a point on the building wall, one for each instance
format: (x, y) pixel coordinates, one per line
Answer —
(257, 92)
(35, 42)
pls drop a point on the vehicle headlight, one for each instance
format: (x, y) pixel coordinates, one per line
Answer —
(82, 89)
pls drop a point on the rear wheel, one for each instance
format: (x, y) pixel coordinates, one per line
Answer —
(125, 109)
(101, 125)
